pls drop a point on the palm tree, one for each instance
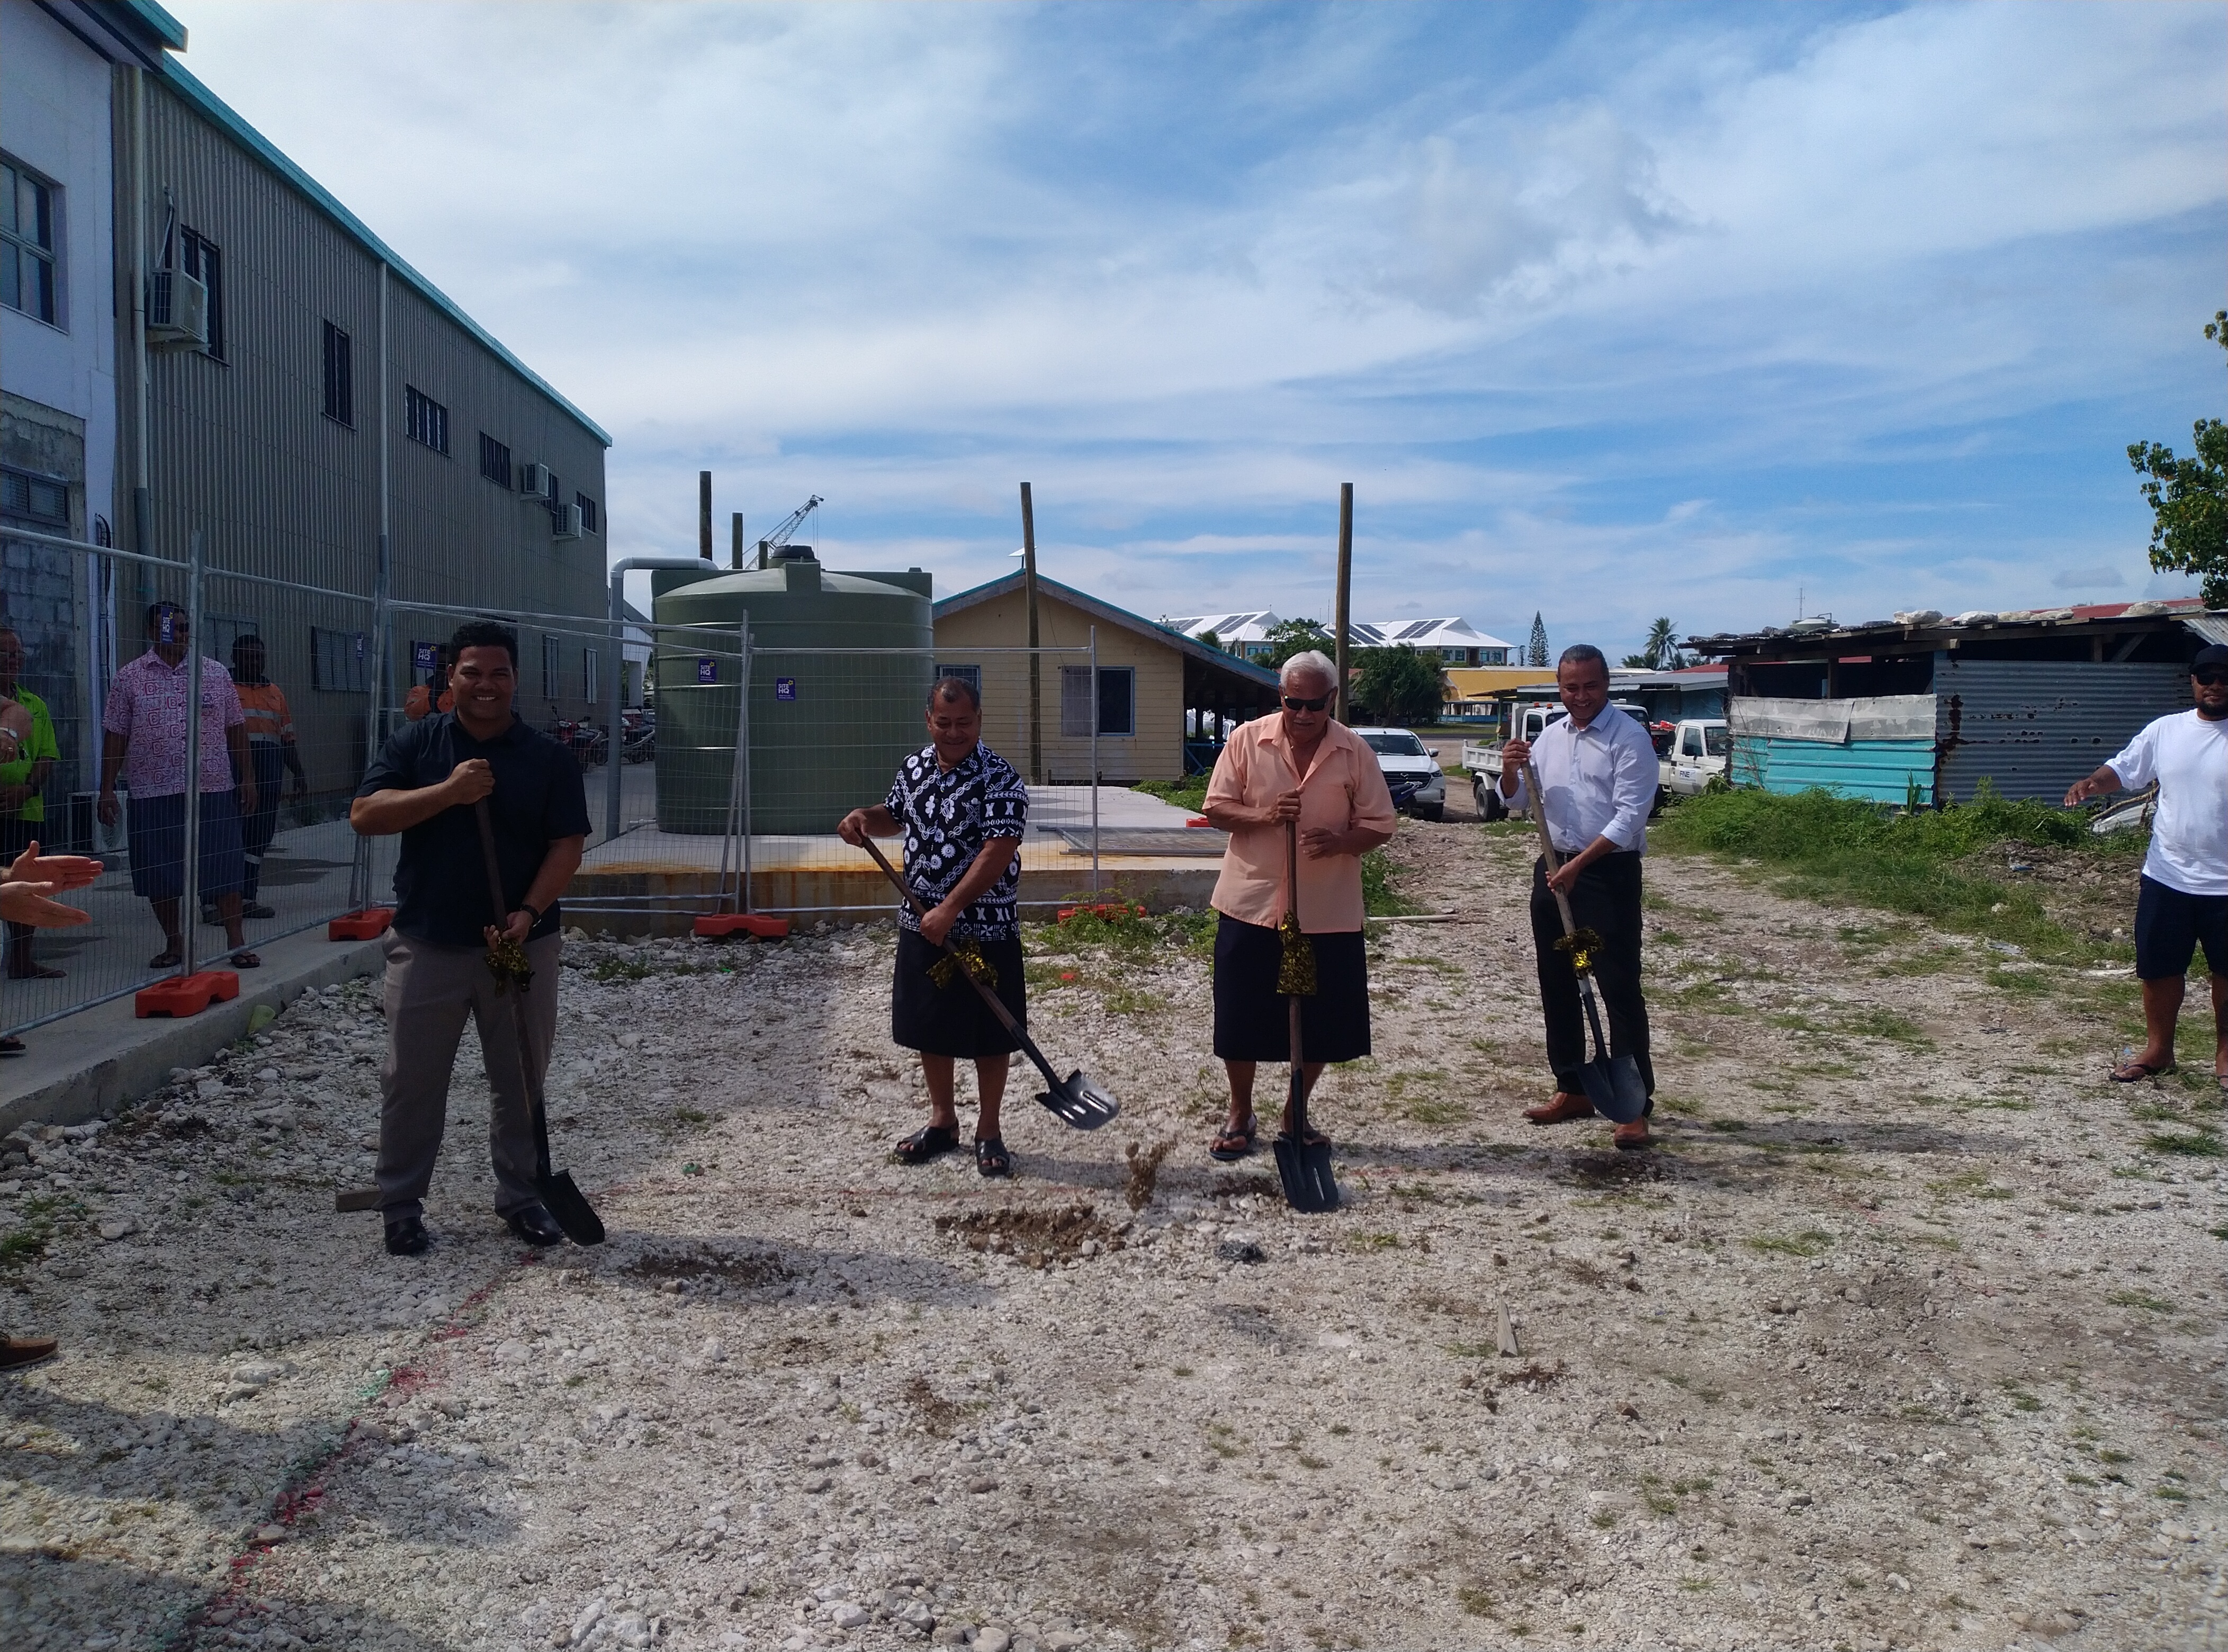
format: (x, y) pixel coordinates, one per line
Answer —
(1661, 652)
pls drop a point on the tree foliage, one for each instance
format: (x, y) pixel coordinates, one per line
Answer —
(1661, 651)
(1398, 685)
(1289, 637)
(1535, 650)
(2188, 497)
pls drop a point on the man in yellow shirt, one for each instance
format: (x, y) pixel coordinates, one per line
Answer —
(23, 802)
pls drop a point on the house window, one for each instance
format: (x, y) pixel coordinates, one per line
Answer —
(34, 498)
(427, 420)
(340, 379)
(27, 243)
(1075, 702)
(553, 666)
(969, 675)
(205, 264)
(1118, 699)
(340, 661)
(494, 460)
(587, 513)
(589, 660)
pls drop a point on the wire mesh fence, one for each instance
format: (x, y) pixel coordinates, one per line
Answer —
(130, 684)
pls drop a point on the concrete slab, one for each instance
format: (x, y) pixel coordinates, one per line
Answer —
(86, 1064)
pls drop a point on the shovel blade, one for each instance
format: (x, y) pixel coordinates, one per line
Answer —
(571, 1207)
(1616, 1088)
(1304, 1169)
(1080, 1103)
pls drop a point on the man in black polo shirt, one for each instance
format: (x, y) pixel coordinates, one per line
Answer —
(424, 785)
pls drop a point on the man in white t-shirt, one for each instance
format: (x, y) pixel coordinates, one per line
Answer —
(2184, 900)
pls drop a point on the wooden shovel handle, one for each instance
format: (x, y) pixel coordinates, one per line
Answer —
(1547, 844)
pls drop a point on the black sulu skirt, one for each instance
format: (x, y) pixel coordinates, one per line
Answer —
(954, 1021)
(1251, 1022)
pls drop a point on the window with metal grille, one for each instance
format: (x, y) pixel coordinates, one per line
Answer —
(590, 659)
(424, 420)
(1075, 702)
(553, 666)
(340, 661)
(587, 512)
(969, 675)
(205, 264)
(34, 498)
(340, 378)
(27, 243)
(494, 460)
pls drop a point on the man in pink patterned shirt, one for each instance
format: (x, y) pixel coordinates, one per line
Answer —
(144, 738)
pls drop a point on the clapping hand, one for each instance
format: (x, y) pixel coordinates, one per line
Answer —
(31, 881)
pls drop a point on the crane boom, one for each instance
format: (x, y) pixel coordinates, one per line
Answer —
(787, 530)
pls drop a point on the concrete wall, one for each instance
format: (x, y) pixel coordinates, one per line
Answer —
(1154, 752)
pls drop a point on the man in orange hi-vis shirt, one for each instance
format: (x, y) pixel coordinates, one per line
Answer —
(271, 749)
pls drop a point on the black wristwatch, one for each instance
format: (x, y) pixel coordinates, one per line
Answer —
(528, 909)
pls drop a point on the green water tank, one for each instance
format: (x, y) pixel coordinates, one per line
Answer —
(828, 729)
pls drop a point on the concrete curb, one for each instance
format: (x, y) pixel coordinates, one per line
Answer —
(88, 1064)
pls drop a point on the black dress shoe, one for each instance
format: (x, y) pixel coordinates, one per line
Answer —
(408, 1237)
(536, 1226)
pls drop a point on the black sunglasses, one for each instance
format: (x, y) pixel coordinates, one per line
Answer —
(1293, 702)
(2212, 678)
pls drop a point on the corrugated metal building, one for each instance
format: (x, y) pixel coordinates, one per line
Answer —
(341, 404)
(1926, 708)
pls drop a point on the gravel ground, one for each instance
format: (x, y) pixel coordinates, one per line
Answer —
(1908, 1336)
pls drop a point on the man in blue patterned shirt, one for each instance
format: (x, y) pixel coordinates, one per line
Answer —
(962, 809)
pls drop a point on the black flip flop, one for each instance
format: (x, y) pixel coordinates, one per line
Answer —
(1245, 1138)
(244, 959)
(14, 1047)
(929, 1141)
(991, 1157)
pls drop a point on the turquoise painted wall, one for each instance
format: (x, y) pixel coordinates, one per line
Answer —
(1881, 770)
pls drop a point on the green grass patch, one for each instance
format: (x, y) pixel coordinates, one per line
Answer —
(1190, 792)
(2200, 1144)
(2142, 1299)
(1863, 854)
(1380, 893)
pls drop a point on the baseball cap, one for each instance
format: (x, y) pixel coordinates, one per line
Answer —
(2213, 656)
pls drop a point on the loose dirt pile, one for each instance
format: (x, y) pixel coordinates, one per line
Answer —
(1908, 1336)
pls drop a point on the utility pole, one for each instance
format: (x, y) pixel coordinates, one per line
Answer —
(1036, 677)
(704, 515)
(1344, 613)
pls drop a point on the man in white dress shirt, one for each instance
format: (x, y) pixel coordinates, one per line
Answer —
(2183, 898)
(1598, 770)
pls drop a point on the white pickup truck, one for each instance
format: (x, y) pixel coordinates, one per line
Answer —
(1699, 752)
(1694, 753)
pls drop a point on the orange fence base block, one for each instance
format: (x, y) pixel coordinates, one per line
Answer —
(186, 995)
(720, 926)
(365, 925)
(1201, 820)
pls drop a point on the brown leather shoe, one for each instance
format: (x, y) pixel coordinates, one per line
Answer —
(1564, 1108)
(16, 1352)
(1634, 1137)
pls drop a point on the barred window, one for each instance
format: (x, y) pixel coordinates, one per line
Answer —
(31, 497)
(553, 666)
(587, 513)
(494, 460)
(340, 380)
(205, 264)
(425, 420)
(340, 661)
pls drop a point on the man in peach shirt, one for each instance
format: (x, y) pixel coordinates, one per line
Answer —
(1302, 765)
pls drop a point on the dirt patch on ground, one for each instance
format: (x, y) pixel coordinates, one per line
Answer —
(1033, 1237)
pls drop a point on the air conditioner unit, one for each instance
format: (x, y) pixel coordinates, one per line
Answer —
(534, 479)
(565, 521)
(177, 312)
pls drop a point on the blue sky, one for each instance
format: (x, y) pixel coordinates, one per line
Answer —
(1606, 311)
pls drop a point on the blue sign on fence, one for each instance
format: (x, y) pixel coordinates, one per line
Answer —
(426, 656)
(707, 668)
(784, 688)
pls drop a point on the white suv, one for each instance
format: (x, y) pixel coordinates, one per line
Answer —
(1411, 771)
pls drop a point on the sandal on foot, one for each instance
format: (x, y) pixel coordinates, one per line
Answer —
(929, 1141)
(1232, 1145)
(245, 960)
(991, 1157)
(12, 1046)
(2136, 1071)
(169, 958)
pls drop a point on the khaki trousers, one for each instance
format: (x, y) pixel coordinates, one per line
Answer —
(430, 991)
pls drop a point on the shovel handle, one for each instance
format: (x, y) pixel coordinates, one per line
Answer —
(1299, 1089)
(486, 823)
(997, 1005)
(1547, 844)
